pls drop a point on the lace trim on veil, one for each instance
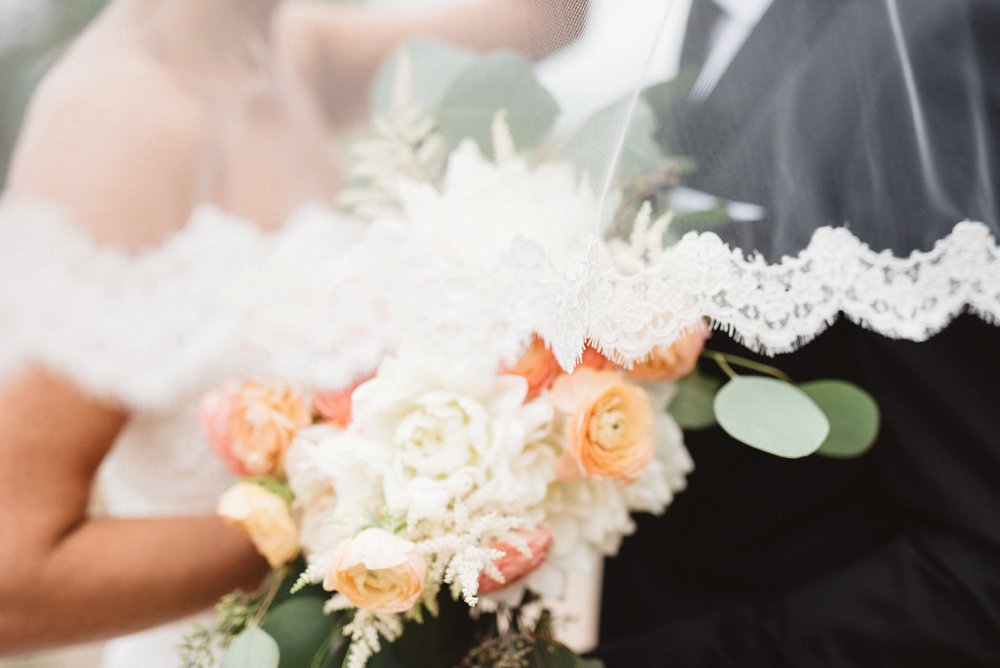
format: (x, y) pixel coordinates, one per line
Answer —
(321, 300)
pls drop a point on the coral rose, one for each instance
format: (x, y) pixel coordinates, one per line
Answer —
(334, 406)
(538, 366)
(251, 425)
(609, 430)
(515, 563)
(377, 570)
(265, 518)
(671, 362)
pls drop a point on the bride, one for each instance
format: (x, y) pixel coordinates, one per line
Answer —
(159, 107)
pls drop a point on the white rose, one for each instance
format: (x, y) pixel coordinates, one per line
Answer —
(335, 477)
(454, 431)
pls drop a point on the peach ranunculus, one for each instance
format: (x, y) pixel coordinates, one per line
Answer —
(538, 366)
(609, 428)
(265, 518)
(377, 570)
(515, 564)
(334, 406)
(251, 425)
(671, 362)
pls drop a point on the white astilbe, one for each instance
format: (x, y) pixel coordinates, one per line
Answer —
(366, 630)
(645, 246)
(459, 550)
(405, 144)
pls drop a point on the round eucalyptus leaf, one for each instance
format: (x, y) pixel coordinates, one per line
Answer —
(499, 81)
(692, 406)
(771, 415)
(252, 648)
(429, 68)
(640, 153)
(300, 628)
(853, 414)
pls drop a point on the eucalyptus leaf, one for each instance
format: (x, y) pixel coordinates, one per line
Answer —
(640, 154)
(771, 415)
(432, 67)
(499, 81)
(853, 414)
(300, 628)
(692, 406)
(252, 648)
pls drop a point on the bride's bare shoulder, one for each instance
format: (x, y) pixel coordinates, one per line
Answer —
(112, 139)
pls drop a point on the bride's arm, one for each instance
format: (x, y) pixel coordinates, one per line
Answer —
(118, 153)
(66, 577)
(338, 48)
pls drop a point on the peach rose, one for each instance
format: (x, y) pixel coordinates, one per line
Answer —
(264, 517)
(378, 571)
(334, 406)
(609, 429)
(671, 362)
(515, 564)
(538, 366)
(251, 425)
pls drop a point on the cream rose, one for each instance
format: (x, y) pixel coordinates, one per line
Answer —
(265, 518)
(251, 425)
(378, 571)
(609, 429)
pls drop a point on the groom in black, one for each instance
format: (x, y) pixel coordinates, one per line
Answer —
(883, 115)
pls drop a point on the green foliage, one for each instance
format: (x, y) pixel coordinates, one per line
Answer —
(234, 611)
(252, 648)
(853, 414)
(640, 154)
(771, 415)
(432, 66)
(301, 629)
(693, 406)
(274, 486)
(498, 81)
(553, 655)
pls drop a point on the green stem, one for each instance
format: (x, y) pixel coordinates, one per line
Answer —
(272, 584)
(724, 360)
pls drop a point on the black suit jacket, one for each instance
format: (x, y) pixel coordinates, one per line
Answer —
(892, 559)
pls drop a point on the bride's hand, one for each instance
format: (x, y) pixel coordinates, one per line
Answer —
(66, 577)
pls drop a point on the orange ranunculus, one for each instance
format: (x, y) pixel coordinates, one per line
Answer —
(671, 362)
(609, 429)
(334, 406)
(592, 358)
(251, 425)
(377, 570)
(515, 564)
(538, 366)
(265, 518)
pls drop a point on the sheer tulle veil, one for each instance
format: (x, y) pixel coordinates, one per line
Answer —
(639, 206)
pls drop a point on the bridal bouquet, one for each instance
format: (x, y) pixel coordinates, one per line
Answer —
(425, 514)
(431, 483)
